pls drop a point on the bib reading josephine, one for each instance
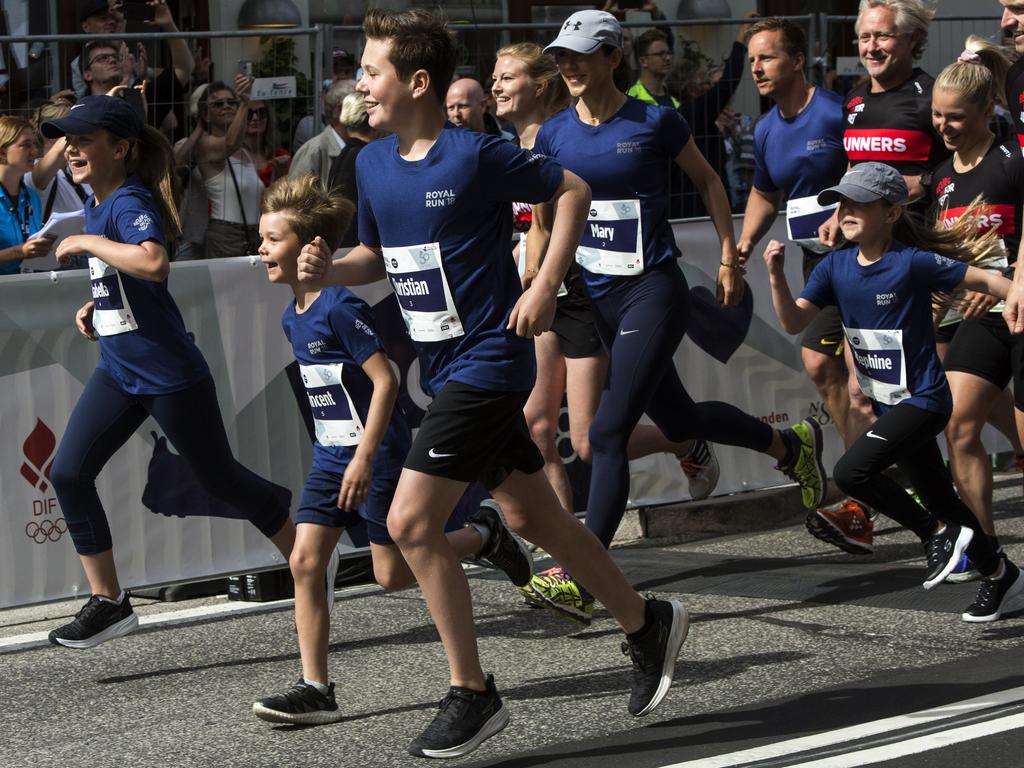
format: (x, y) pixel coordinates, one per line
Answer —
(880, 363)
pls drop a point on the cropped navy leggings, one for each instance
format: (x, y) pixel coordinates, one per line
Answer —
(642, 320)
(103, 420)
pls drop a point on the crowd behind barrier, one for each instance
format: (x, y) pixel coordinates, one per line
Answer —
(709, 79)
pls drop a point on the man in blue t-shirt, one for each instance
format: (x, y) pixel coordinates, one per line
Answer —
(798, 151)
(435, 217)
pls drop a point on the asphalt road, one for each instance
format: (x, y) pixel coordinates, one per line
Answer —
(798, 655)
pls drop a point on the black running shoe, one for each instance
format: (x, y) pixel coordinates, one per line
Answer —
(466, 718)
(99, 620)
(302, 704)
(654, 654)
(505, 551)
(943, 552)
(995, 594)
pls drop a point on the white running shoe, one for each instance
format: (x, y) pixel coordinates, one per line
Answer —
(701, 468)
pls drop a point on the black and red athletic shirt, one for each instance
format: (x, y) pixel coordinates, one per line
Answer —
(1015, 97)
(894, 127)
(999, 179)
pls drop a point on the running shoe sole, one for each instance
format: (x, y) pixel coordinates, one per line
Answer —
(822, 528)
(561, 609)
(962, 540)
(320, 717)
(125, 626)
(676, 637)
(961, 578)
(1011, 594)
(495, 725)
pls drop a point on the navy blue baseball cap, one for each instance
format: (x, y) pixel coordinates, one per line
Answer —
(91, 114)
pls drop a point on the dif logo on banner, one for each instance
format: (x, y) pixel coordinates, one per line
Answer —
(38, 450)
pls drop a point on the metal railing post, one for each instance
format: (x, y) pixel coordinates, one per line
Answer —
(319, 33)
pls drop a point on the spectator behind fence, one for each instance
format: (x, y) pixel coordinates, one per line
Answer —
(272, 161)
(51, 180)
(343, 70)
(654, 56)
(704, 96)
(19, 205)
(342, 176)
(194, 206)
(97, 18)
(467, 106)
(316, 155)
(229, 170)
(103, 68)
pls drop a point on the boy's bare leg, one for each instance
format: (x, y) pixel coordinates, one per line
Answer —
(421, 506)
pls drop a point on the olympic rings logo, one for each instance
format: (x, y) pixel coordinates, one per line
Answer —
(48, 530)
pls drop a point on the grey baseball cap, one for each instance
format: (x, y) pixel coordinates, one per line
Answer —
(586, 31)
(867, 182)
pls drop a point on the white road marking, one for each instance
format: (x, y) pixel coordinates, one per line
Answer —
(862, 731)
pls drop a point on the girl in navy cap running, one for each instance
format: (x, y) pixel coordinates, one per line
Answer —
(149, 365)
(883, 290)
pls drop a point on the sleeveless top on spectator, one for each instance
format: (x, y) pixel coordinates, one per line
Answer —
(225, 196)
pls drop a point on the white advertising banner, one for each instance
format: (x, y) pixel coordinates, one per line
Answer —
(740, 356)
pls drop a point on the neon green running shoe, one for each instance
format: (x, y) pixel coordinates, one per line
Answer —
(804, 441)
(557, 590)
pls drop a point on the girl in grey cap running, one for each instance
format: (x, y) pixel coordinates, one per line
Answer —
(883, 289)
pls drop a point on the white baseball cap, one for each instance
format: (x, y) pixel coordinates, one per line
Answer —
(586, 31)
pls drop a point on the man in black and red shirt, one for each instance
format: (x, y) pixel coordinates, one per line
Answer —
(1013, 24)
(889, 116)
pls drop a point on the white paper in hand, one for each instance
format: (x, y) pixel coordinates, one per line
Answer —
(62, 225)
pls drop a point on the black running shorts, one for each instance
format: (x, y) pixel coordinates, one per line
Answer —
(985, 348)
(471, 434)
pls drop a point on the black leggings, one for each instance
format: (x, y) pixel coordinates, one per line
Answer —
(641, 322)
(905, 436)
(103, 420)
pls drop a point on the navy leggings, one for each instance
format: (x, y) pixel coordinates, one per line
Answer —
(905, 436)
(103, 420)
(642, 320)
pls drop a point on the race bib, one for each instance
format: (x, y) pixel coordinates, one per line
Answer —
(334, 415)
(880, 363)
(612, 241)
(112, 314)
(803, 217)
(417, 275)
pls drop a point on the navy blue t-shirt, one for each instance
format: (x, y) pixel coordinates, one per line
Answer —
(444, 224)
(142, 337)
(331, 341)
(886, 310)
(624, 159)
(801, 155)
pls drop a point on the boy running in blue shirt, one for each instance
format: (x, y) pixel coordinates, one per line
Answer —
(435, 217)
(361, 442)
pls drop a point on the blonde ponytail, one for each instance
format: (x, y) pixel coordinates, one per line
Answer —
(152, 160)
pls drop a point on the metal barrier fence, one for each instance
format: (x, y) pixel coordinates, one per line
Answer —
(710, 77)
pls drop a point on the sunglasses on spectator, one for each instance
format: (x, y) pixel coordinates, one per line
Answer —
(103, 58)
(221, 103)
(261, 112)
